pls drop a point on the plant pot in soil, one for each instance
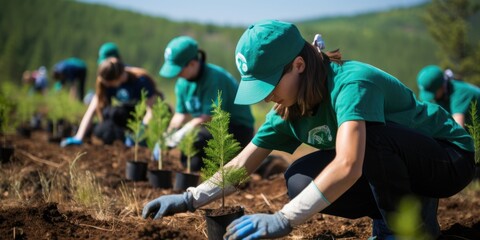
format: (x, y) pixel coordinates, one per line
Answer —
(185, 180)
(6, 153)
(477, 173)
(218, 220)
(136, 171)
(160, 178)
(24, 131)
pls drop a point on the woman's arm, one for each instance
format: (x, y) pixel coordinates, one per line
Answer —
(87, 118)
(148, 114)
(250, 158)
(335, 179)
(346, 167)
(177, 121)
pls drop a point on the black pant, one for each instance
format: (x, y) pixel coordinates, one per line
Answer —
(114, 123)
(398, 162)
(241, 133)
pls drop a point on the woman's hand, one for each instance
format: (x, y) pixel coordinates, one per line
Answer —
(258, 226)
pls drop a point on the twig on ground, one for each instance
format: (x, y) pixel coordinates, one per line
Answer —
(37, 159)
(266, 200)
(99, 228)
(279, 195)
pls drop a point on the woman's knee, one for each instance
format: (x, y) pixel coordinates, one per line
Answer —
(296, 183)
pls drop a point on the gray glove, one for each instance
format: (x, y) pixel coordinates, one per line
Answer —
(168, 205)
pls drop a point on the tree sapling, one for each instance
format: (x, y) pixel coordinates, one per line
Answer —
(222, 148)
(135, 124)
(187, 146)
(157, 127)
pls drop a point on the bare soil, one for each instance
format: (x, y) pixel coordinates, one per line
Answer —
(36, 200)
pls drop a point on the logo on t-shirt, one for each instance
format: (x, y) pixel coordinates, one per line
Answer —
(122, 95)
(193, 105)
(319, 135)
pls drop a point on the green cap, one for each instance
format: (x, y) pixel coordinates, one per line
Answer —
(262, 52)
(429, 79)
(178, 53)
(107, 50)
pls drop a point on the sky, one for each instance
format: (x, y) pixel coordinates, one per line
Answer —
(245, 12)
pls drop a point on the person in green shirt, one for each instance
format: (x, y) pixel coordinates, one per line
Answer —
(377, 143)
(454, 95)
(196, 88)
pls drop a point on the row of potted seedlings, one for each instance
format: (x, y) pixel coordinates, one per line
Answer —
(219, 151)
(156, 141)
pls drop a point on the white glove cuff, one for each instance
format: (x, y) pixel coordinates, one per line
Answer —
(304, 205)
(207, 192)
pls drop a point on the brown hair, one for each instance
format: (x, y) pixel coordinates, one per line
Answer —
(312, 90)
(111, 69)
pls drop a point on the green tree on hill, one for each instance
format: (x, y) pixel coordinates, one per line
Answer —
(448, 22)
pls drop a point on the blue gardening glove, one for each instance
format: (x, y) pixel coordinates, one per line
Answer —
(70, 141)
(258, 226)
(157, 152)
(168, 205)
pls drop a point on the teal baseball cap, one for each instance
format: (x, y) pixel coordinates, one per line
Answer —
(262, 52)
(429, 80)
(107, 50)
(178, 53)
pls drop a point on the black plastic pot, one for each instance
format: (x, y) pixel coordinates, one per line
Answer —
(185, 180)
(160, 178)
(6, 153)
(136, 171)
(217, 225)
(24, 132)
(477, 173)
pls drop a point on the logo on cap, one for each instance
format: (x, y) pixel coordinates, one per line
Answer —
(241, 63)
(168, 53)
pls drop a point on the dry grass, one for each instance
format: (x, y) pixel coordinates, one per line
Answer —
(129, 200)
(87, 192)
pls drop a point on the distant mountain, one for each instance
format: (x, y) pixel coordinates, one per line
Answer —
(35, 33)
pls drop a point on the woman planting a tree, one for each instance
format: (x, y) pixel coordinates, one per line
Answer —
(195, 89)
(123, 84)
(378, 143)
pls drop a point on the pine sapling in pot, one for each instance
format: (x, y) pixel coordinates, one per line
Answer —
(155, 133)
(58, 110)
(474, 130)
(187, 146)
(135, 169)
(219, 151)
(6, 127)
(26, 107)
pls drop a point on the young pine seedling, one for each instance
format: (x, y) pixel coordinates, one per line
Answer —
(135, 123)
(6, 124)
(157, 127)
(474, 130)
(220, 150)
(187, 146)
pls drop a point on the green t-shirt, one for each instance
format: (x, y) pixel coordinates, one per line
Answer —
(361, 92)
(196, 98)
(460, 97)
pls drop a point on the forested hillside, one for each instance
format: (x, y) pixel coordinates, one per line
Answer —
(37, 32)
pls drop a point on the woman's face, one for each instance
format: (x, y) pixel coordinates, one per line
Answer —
(286, 91)
(190, 70)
